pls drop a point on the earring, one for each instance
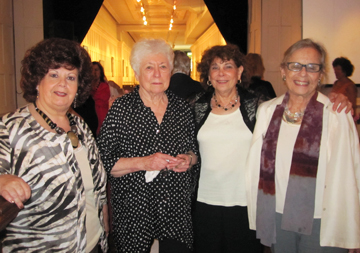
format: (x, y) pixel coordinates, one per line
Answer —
(284, 78)
(75, 100)
(208, 83)
(37, 92)
(319, 82)
(239, 81)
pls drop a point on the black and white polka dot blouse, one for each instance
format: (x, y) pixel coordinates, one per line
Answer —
(161, 208)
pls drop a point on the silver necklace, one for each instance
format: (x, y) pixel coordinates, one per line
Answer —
(292, 118)
(228, 106)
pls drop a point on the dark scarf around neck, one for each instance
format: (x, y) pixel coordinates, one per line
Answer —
(300, 195)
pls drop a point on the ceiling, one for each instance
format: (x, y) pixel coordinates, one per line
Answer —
(191, 18)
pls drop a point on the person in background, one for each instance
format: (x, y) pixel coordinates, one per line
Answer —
(343, 69)
(303, 169)
(256, 71)
(100, 93)
(181, 83)
(148, 146)
(50, 166)
(88, 113)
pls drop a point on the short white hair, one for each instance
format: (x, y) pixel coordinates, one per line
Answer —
(146, 47)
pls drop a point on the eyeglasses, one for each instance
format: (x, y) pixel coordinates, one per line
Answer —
(310, 67)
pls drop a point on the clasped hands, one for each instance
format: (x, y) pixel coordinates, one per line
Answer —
(160, 161)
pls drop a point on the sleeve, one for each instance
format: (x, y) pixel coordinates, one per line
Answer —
(340, 227)
(110, 136)
(5, 149)
(193, 141)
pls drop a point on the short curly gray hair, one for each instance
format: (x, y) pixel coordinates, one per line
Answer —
(146, 47)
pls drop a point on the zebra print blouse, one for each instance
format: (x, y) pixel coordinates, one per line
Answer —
(53, 219)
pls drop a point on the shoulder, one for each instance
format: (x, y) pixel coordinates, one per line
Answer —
(271, 104)
(21, 114)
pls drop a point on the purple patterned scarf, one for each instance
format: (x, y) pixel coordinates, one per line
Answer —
(300, 195)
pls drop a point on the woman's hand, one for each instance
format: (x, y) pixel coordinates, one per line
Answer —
(183, 162)
(340, 102)
(14, 189)
(157, 161)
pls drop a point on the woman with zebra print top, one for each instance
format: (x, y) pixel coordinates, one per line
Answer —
(49, 163)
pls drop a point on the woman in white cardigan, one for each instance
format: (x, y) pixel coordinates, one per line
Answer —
(303, 169)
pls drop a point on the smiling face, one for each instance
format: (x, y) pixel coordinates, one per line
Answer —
(57, 89)
(302, 83)
(155, 73)
(224, 75)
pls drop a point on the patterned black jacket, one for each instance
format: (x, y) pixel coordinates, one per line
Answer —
(249, 100)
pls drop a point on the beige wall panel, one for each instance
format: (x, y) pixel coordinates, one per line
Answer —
(271, 12)
(281, 27)
(7, 82)
(28, 23)
(254, 39)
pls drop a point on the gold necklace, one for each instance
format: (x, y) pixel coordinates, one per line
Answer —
(229, 105)
(72, 134)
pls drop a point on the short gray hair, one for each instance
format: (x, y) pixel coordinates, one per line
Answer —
(306, 43)
(181, 62)
(146, 47)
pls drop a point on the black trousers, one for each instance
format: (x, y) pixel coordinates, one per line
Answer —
(220, 229)
(172, 246)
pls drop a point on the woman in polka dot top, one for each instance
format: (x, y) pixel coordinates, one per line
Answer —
(148, 146)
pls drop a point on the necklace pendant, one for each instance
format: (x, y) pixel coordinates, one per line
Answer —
(73, 138)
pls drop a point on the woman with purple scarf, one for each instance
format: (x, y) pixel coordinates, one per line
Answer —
(303, 169)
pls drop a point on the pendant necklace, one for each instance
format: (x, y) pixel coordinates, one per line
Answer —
(72, 134)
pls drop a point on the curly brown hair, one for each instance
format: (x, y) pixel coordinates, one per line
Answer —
(225, 53)
(55, 53)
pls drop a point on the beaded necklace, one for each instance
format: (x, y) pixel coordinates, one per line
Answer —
(230, 105)
(72, 134)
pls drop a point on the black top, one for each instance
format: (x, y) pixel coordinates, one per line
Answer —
(88, 113)
(249, 102)
(161, 208)
(263, 87)
(184, 86)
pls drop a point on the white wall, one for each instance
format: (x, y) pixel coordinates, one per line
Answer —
(335, 24)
